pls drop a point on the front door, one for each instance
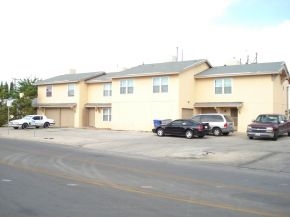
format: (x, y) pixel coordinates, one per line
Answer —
(234, 115)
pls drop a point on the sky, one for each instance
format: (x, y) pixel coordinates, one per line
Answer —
(45, 38)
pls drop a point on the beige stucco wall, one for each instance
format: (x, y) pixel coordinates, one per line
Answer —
(95, 95)
(187, 87)
(80, 113)
(137, 111)
(256, 93)
(280, 85)
(60, 96)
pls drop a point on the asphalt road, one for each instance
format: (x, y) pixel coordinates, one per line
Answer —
(234, 150)
(48, 179)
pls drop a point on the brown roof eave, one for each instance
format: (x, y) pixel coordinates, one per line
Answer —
(144, 75)
(218, 104)
(235, 74)
(57, 82)
(196, 64)
(55, 105)
(98, 105)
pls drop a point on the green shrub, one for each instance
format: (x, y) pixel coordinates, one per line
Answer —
(3, 115)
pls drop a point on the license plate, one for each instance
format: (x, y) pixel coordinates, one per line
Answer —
(257, 134)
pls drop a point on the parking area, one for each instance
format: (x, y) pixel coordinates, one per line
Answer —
(234, 150)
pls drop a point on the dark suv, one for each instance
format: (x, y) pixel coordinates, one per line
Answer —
(220, 124)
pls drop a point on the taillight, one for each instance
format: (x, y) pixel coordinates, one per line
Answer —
(226, 125)
(200, 127)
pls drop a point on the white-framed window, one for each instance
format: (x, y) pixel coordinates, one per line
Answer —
(223, 86)
(126, 86)
(107, 114)
(48, 90)
(71, 89)
(160, 84)
(107, 89)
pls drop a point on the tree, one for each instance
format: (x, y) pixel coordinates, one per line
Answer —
(3, 107)
(6, 90)
(27, 87)
(22, 104)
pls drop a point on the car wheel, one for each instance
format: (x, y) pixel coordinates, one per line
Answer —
(288, 133)
(189, 134)
(251, 137)
(15, 127)
(24, 126)
(216, 131)
(46, 125)
(160, 132)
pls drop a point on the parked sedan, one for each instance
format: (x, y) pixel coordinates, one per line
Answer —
(182, 127)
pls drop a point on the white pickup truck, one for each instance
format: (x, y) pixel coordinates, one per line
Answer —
(32, 121)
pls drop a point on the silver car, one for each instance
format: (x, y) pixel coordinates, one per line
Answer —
(220, 124)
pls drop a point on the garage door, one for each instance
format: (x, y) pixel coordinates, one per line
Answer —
(53, 113)
(66, 117)
(63, 117)
(187, 113)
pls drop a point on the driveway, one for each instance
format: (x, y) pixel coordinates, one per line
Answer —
(234, 150)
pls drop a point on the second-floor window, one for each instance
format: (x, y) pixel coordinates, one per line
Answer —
(71, 89)
(48, 90)
(107, 90)
(160, 84)
(126, 86)
(223, 86)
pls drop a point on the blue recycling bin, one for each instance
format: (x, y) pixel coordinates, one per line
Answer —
(157, 123)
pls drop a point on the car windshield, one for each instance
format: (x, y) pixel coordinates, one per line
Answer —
(27, 117)
(267, 119)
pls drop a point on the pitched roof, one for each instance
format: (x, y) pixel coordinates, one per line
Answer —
(163, 67)
(245, 69)
(151, 69)
(69, 78)
(107, 77)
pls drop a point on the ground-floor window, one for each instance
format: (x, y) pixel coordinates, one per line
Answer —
(107, 114)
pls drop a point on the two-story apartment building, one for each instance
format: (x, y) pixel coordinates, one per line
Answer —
(63, 98)
(243, 91)
(133, 98)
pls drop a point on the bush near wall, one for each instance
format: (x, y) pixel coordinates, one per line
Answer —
(3, 115)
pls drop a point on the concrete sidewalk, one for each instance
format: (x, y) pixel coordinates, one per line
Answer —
(234, 150)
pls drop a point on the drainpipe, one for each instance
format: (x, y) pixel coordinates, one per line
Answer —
(288, 102)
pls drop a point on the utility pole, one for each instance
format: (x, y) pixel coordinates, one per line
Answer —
(256, 58)
(181, 54)
(176, 54)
